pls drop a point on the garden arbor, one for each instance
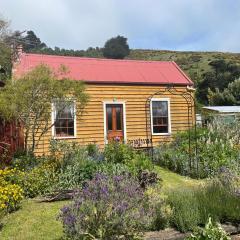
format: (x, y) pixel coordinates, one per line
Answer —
(190, 110)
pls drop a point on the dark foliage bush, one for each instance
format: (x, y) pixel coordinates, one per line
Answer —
(147, 178)
(26, 162)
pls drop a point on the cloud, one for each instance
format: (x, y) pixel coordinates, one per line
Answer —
(153, 24)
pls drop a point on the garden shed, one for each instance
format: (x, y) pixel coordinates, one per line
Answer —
(142, 103)
(224, 113)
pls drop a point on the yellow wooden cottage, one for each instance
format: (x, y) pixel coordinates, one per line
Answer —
(141, 102)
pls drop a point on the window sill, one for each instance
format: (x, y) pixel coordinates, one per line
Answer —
(59, 138)
(161, 134)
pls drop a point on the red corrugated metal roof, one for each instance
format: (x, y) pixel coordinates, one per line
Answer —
(108, 70)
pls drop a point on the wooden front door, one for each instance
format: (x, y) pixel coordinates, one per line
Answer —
(114, 123)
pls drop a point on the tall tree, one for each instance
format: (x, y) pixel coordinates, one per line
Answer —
(28, 100)
(116, 48)
(31, 42)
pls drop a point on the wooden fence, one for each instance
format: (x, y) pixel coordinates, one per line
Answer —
(11, 139)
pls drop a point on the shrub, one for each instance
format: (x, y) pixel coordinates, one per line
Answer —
(163, 211)
(10, 194)
(10, 198)
(94, 152)
(112, 169)
(40, 180)
(210, 232)
(107, 208)
(25, 162)
(230, 180)
(147, 179)
(36, 181)
(64, 153)
(116, 152)
(76, 163)
(140, 161)
(74, 175)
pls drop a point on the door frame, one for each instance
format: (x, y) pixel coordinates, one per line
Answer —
(123, 103)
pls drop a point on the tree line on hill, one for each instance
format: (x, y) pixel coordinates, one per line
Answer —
(115, 48)
(220, 85)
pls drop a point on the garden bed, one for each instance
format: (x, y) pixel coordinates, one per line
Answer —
(121, 193)
(37, 220)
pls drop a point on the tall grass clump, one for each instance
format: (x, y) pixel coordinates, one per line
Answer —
(193, 207)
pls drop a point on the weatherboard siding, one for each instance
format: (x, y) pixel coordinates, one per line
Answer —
(90, 125)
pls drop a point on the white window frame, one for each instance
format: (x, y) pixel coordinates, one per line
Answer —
(169, 116)
(123, 103)
(53, 125)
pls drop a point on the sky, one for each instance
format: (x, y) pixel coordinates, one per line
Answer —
(186, 25)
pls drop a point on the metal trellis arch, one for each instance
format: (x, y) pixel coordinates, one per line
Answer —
(191, 118)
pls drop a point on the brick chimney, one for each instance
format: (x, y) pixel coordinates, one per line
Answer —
(17, 52)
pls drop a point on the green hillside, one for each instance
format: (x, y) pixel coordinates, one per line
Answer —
(194, 64)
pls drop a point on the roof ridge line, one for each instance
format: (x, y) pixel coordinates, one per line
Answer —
(98, 59)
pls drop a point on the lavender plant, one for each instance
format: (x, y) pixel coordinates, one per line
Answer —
(108, 208)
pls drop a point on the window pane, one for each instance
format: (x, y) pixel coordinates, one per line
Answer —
(57, 131)
(65, 111)
(165, 120)
(63, 123)
(71, 131)
(70, 123)
(61, 132)
(119, 118)
(160, 129)
(109, 117)
(159, 108)
(155, 121)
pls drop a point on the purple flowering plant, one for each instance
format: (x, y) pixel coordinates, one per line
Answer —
(108, 207)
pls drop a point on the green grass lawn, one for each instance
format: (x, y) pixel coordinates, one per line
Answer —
(37, 221)
(172, 180)
(34, 221)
